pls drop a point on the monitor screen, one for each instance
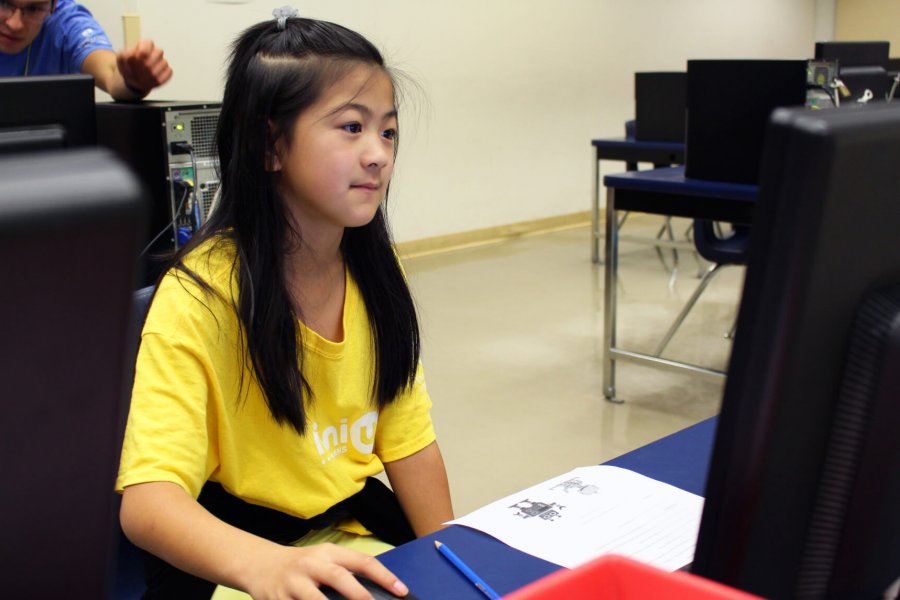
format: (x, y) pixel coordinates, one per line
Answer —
(659, 105)
(804, 481)
(862, 67)
(70, 223)
(855, 54)
(46, 112)
(728, 104)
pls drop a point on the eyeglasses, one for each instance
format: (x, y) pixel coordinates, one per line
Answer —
(31, 13)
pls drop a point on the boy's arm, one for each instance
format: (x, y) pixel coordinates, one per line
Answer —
(131, 74)
(420, 484)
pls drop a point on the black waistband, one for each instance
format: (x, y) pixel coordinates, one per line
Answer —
(375, 507)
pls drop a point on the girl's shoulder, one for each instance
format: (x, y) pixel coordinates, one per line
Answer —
(207, 274)
(214, 261)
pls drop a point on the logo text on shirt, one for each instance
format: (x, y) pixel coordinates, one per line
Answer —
(333, 441)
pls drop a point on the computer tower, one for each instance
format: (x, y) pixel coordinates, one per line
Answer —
(171, 147)
(659, 105)
(728, 106)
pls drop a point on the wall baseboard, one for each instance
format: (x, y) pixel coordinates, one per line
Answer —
(491, 235)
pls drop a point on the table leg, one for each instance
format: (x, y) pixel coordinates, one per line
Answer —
(611, 264)
(595, 213)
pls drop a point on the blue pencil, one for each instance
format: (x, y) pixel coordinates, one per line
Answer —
(465, 570)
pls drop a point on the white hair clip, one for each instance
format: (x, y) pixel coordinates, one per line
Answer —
(283, 14)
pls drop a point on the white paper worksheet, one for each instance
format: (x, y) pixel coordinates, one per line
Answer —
(596, 510)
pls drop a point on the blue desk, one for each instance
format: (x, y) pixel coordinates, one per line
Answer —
(663, 191)
(680, 459)
(667, 191)
(631, 152)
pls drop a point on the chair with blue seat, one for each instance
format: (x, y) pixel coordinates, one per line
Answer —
(129, 572)
(722, 250)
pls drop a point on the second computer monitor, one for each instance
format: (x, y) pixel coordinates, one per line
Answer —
(46, 113)
(70, 228)
(804, 482)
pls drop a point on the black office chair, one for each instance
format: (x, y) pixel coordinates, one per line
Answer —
(129, 572)
(722, 250)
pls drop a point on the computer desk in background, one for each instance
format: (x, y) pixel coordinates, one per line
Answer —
(664, 191)
(680, 459)
(631, 152)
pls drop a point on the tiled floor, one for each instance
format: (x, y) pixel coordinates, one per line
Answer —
(512, 337)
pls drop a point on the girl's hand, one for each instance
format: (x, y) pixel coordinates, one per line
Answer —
(297, 573)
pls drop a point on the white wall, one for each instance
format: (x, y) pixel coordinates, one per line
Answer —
(514, 90)
(825, 20)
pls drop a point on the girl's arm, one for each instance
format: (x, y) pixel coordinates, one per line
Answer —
(420, 484)
(165, 520)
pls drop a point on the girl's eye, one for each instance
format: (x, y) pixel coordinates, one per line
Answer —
(352, 128)
(389, 133)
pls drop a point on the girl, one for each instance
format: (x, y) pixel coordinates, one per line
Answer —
(278, 367)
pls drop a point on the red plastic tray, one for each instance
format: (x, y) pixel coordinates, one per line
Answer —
(613, 577)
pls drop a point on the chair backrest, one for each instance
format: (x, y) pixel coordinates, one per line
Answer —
(140, 304)
(129, 576)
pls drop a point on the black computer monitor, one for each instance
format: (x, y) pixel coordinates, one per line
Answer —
(861, 66)
(804, 484)
(855, 54)
(70, 223)
(659, 106)
(893, 65)
(46, 112)
(728, 104)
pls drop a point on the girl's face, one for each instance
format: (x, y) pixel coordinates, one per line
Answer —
(336, 170)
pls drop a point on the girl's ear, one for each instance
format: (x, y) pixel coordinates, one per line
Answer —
(273, 151)
(273, 163)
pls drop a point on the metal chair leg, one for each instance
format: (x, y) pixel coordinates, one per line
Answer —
(710, 273)
(701, 266)
(666, 230)
(730, 334)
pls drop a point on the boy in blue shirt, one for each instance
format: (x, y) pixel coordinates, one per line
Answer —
(48, 37)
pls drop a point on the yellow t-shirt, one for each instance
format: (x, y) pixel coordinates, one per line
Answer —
(192, 421)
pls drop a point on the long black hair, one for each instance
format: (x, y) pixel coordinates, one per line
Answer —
(273, 76)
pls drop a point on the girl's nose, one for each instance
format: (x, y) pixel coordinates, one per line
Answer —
(378, 152)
